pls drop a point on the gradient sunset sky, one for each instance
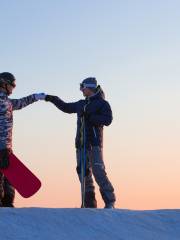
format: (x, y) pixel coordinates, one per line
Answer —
(132, 47)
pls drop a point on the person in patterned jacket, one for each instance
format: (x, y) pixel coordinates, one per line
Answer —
(97, 113)
(7, 106)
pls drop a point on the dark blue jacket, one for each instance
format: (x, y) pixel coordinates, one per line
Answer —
(98, 114)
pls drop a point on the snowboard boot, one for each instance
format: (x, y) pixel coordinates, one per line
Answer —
(90, 200)
(7, 201)
(110, 205)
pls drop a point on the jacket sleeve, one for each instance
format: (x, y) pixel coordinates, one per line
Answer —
(5, 127)
(63, 106)
(103, 117)
(22, 102)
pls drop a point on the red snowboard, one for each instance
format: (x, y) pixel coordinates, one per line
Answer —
(21, 178)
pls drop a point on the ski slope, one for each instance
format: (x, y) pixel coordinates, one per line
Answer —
(88, 224)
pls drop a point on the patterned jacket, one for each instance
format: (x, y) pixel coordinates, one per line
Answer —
(7, 106)
(98, 114)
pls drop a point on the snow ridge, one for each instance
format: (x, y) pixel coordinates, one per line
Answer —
(88, 224)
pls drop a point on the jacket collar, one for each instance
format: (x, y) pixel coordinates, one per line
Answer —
(3, 94)
(97, 95)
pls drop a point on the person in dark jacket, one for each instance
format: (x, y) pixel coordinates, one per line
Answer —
(7, 106)
(97, 113)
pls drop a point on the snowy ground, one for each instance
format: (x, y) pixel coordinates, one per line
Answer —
(88, 224)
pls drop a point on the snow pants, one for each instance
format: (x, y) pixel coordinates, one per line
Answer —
(7, 192)
(95, 167)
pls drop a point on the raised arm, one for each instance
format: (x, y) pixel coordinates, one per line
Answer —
(25, 101)
(63, 106)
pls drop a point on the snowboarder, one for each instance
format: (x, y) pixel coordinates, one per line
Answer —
(97, 113)
(7, 105)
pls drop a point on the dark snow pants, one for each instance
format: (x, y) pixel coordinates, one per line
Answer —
(7, 192)
(95, 166)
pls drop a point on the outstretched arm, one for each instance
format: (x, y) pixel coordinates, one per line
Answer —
(60, 104)
(23, 102)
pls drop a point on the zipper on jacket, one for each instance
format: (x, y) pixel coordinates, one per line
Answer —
(94, 130)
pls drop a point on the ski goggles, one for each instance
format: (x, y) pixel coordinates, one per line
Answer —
(87, 85)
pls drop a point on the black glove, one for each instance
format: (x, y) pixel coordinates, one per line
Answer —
(4, 158)
(49, 98)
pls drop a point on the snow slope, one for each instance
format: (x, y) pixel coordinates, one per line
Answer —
(88, 224)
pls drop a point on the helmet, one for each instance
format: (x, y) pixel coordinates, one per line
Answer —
(7, 78)
(89, 82)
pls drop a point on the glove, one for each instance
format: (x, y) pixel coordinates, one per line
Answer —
(49, 98)
(40, 96)
(4, 158)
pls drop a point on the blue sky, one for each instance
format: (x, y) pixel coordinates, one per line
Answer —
(62, 38)
(119, 42)
(133, 49)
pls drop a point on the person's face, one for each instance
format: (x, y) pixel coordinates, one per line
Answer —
(10, 87)
(87, 92)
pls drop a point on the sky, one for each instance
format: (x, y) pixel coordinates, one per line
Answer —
(132, 48)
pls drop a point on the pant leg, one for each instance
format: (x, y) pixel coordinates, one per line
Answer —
(9, 194)
(99, 172)
(90, 200)
(7, 191)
